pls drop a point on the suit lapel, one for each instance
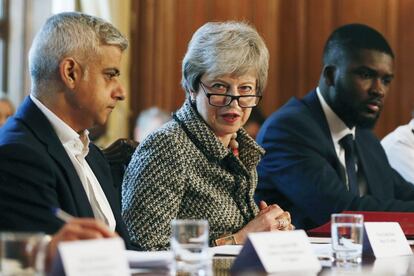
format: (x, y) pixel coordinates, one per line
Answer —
(311, 100)
(35, 120)
(101, 171)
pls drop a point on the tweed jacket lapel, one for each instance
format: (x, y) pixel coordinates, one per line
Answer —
(200, 133)
(249, 151)
(208, 143)
(312, 102)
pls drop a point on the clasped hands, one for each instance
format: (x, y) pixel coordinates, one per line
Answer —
(283, 220)
(272, 213)
(270, 218)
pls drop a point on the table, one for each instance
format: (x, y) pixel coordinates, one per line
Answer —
(387, 267)
(370, 266)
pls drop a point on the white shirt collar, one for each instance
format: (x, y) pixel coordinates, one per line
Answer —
(77, 148)
(337, 127)
(78, 144)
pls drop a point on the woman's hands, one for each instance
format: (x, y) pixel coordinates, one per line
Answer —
(270, 218)
(283, 221)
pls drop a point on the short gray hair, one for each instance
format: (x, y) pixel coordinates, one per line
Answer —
(219, 48)
(69, 33)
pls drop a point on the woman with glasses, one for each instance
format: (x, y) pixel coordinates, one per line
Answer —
(202, 164)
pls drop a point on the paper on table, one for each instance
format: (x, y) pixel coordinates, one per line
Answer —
(225, 250)
(319, 240)
(322, 250)
(149, 259)
(324, 253)
(154, 259)
(94, 257)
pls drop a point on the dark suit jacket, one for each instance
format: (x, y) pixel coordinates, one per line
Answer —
(301, 172)
(36, 174)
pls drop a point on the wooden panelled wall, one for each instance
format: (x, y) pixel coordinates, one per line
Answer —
(295, 32)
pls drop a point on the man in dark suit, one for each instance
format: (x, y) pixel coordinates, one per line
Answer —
(46, 160)
(321, 155)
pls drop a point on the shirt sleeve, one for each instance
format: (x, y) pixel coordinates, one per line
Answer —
(400, 155)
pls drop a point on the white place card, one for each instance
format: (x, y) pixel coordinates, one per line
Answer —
(225, 250)
(386, 239)
(277, 252)
(94, 257)
(400, 265)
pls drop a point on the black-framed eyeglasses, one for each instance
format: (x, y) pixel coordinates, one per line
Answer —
(220, 99)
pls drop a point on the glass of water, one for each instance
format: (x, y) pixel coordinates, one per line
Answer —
(22, 253)
(347, 233)
(189, 243)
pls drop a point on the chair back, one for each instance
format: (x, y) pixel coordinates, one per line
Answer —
(118, 154)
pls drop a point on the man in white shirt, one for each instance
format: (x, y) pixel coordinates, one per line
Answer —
(399, 147)
(46, 160)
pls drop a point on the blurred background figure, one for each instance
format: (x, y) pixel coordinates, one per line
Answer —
(149, 120)
(6, 108)
(254, 122)
(399, 147)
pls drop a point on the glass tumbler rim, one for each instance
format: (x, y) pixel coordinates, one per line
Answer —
(357, 217)
(347, 215)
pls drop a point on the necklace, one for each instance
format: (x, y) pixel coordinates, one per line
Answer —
(234, 145)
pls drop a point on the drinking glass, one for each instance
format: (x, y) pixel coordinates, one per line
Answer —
(347, 234)
(22, 253)
(189, 243)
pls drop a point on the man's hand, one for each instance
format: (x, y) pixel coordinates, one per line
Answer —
(78, 229)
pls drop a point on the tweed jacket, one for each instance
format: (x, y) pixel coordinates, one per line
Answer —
(183, 171)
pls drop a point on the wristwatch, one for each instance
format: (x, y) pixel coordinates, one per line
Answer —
(226, 240)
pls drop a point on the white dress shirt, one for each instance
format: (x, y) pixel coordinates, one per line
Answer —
(339, 130)
(77, 148)
(399, 147)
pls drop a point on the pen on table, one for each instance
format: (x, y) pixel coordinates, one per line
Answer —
(59, 213)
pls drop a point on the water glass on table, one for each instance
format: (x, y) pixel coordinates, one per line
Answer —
(22, 253)
(189, 243)
(347, 234)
